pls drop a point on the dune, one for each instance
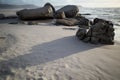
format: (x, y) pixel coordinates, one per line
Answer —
(49, 52)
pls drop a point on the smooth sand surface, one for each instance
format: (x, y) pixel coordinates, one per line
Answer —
(49, 52)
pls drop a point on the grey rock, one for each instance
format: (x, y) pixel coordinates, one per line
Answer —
(69, 10)
(46, 12)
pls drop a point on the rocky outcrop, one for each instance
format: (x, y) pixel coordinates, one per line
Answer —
(101, 31)
(46, 12)
(69, 10)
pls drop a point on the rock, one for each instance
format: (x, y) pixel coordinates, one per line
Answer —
(2, 16)
(101, 32)
(50, 5)
(81, 34)
(69, 10)
(94, 40)
(46, 12)
(66, 22)
(82, 20)
(96, 20)
(60, 15)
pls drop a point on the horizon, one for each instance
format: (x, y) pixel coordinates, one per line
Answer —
(88, 3)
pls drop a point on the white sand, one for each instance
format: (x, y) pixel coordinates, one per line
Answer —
(54, 53)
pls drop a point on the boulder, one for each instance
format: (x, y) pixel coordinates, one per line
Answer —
(2, 16)
(69, 10)
(46, 12)
(101, 32)
(67, 22)
(60, 15)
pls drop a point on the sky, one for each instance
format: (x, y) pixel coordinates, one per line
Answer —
(84, 3)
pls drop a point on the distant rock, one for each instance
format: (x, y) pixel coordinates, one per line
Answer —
(69, 10)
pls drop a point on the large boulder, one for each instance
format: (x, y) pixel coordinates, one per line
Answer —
(69, 10)
(101, 32)
(67, 22)
(46, 12)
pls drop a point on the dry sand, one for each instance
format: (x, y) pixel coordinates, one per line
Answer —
(49, 52)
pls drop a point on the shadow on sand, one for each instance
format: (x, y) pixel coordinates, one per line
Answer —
(49, 51)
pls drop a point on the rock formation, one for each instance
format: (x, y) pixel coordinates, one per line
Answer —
(101, 31)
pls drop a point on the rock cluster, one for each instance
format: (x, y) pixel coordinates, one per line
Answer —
(101, 31)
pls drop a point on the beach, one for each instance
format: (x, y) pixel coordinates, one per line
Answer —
(49, 52)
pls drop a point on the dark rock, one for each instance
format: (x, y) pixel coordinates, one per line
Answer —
(46, 12)
(69, 10)
(60, 15)
(101, 32)
(96, 20)
(66, 22)
(2, 16)
(81, 34)
(82, 20)
(94, 40)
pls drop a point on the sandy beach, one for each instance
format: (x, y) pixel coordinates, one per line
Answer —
(49, 52)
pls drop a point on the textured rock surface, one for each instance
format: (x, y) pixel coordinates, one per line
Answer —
(69, 10)
(101, 31)
(46, 12)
